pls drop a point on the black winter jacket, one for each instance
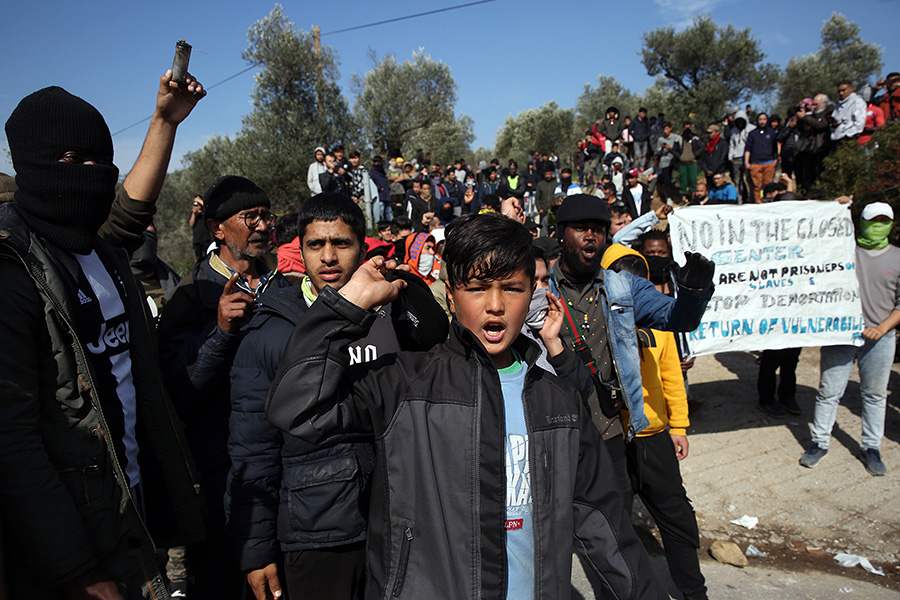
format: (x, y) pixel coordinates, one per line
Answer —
(285, 494)
(646, 201)
(64, 497)
(438, 498)
(717, 160)
(640, 129)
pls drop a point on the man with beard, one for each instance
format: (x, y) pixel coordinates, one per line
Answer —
(600, 320)
(92, 463)
(198, 338)
(814, 143)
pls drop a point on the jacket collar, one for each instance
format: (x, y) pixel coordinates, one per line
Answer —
(464, 342)
(13, 230)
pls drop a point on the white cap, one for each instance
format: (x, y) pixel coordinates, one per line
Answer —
(877, 209)
(438, 235)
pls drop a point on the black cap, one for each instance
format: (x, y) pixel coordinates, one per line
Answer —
(582, 207)
(530, 224)
(231, 194)
(549, 245)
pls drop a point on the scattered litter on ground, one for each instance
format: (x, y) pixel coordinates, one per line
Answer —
(746, 521)
(851, 560)
(754, 551)
(846, 590)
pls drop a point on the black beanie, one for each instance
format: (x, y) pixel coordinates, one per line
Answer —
(64, 203)
(582, 207)
(231, 194)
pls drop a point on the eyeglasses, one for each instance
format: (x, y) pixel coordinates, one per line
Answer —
(252, 219)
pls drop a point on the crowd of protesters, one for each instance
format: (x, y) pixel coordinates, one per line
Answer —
(431, 381)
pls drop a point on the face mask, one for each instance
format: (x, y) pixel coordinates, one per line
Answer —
(873, 235)
(537, 310)
(426, 264)
(660, 269)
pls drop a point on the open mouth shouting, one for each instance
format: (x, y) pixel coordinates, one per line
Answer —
(589, 253)
(493, 331)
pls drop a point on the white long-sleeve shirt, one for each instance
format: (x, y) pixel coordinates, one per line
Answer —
(850, 114)
(312, 177)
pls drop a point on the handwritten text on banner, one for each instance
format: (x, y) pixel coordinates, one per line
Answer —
(785, 274)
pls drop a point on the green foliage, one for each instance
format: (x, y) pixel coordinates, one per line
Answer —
(706, 67)
(278, 137)
(277, 141)
(593, 102)
(841, 55)
(869, 173)
(545, 129)
(410, 105)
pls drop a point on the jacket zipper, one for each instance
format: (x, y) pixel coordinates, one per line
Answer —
(117, 468)
(404, 560)
(478, 401)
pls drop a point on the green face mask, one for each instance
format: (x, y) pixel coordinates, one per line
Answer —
(873, 235)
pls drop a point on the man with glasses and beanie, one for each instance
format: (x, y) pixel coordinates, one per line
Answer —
(198, 338)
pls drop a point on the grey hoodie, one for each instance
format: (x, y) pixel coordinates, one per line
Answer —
(739, 136)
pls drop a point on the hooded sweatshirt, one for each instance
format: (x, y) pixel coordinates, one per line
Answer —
(414, 256)
(665, 398)
(739, 133)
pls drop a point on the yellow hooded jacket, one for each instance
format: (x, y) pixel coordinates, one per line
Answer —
(665, 398)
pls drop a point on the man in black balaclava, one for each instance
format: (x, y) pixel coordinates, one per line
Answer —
(91, 459)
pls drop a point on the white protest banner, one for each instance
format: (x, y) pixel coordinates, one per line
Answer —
(785, 274)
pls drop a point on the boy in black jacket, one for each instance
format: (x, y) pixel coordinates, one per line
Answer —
(487, 467)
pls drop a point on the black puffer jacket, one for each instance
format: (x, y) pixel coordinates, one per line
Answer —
(284, 493)
(439, 488)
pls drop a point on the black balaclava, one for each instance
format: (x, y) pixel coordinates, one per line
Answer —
(660, 269)
(64, 203)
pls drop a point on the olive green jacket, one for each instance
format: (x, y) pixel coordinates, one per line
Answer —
(64, 497)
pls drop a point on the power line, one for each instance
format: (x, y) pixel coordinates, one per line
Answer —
(355, 28)
(422, 14)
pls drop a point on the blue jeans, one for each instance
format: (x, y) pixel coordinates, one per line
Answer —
(874, 359)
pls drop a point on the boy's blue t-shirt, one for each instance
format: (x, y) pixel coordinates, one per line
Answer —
(519, 527)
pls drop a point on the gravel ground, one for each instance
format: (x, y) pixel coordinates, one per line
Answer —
(742, 462)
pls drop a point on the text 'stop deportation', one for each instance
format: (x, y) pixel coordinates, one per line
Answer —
(785, 274)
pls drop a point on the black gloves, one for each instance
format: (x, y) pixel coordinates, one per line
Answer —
(697, 272)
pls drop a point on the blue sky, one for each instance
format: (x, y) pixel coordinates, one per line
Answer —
(506, 56)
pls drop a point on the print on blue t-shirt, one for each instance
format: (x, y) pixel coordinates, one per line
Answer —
(519, 529)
